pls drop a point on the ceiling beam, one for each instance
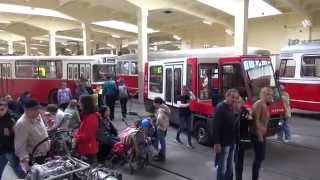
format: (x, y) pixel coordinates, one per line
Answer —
(296, 6)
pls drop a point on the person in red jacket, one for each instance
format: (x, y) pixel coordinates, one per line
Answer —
(86, 136)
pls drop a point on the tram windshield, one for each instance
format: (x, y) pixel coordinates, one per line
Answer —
(101, 71)
(260, 74)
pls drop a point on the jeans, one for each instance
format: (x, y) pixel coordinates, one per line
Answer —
(110, 102)
(185, 124)
(14, 163)
(285, 130)
(123, 103)
(260, 152)
(162, 140)
(225, 163)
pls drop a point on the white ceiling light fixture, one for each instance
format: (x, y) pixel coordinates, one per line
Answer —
(306, 23)
(229, 32)
(207, 22)
(121, 25)
(18, 9)
(176, 37)
(257, 8)
(115, 36)
(4, 22)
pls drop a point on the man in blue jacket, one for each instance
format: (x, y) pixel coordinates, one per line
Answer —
(110, 92)
(225, 133)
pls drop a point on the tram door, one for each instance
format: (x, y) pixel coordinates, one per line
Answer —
(173, 86)
(5, 74)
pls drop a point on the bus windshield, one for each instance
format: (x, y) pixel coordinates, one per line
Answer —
(260, 74)
(101, 71)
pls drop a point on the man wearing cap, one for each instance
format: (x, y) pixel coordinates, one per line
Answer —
(6, 136)
(29, 131)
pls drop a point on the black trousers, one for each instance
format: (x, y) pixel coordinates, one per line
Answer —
(185, 124)
(239, 158)
(123, 103)
(104, 151)
(260, 152)
(110, 102)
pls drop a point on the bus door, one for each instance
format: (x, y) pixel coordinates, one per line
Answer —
(173, 86)
(5, 74)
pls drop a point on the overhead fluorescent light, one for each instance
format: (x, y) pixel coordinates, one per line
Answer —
(18, 9)
(115, 36)
(34, 48)
(207, 22)
(257, 8)
(121, 25)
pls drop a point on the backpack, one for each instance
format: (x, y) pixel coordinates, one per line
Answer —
(102, 135)
(123, 92)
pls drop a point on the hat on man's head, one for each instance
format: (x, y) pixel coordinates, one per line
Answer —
(31, 103)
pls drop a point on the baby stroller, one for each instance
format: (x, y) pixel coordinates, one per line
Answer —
(133, 148)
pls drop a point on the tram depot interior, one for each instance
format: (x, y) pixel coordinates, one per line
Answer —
(111, 25)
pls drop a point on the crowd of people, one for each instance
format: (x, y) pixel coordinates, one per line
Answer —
(89, 114)
(236, 129)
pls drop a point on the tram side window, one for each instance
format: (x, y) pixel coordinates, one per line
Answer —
(189, 76)
(156, 79)
(51, 69)
(287, 68)
(208, 80)
(134, 68)
(123, 67)
(310, 66)
(233, 78)
(26, 69)
(5, 70)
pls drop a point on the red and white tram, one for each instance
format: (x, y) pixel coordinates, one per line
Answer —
(300, 74)
(127, 70)
(209, 73)
(42, 75)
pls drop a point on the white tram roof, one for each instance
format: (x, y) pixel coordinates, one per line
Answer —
(199, 53)
(63, 58)
(309, 47)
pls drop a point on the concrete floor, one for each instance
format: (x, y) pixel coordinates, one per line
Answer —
(298, 160)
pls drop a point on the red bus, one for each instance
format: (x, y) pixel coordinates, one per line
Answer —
(299, 72)
(209, 73)
(127, 70)
(42, 75)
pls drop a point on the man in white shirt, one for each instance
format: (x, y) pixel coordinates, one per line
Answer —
(29, 131)
(58, 116)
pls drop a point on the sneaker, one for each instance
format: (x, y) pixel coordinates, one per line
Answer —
(287, 140)
(190, 146)
(178, 141)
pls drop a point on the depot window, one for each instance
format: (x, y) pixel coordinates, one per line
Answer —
(310, 66)
(156, 79)
(287, 68)
(26, 69)
(51, 69)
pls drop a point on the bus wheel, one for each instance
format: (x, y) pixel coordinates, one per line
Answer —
(52, 97)
(202, 133)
